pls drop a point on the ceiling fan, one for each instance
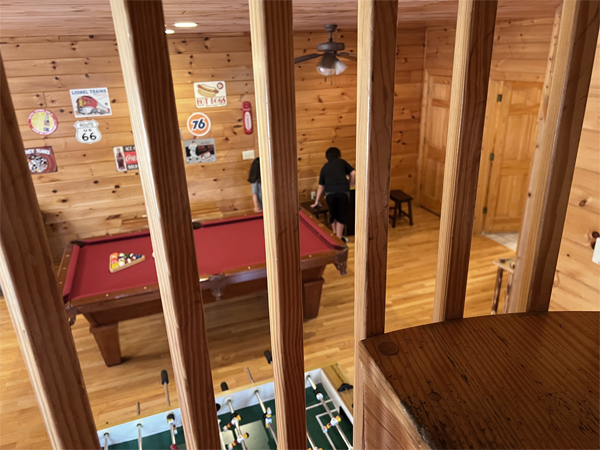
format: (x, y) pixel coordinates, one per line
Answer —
(330, 64)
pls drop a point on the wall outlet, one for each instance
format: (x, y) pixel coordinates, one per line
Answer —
(313, 195)
(248, 154)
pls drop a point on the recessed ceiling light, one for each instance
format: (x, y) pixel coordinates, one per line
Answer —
(185, 24)
(169, 31)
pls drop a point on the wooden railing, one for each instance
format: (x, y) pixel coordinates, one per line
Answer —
(34, 301)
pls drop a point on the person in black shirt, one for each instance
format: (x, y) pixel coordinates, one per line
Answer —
(334, 182)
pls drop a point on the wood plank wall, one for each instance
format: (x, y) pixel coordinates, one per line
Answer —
(520, 50)
(87, 197)
(577, 279)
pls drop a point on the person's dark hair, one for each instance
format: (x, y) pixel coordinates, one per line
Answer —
(333, 153)
(254, 174)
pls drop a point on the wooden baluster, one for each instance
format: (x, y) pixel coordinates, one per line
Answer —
(377, 31)
(273, 61)
(31, 292)
(470, 76)
(140, 30)
(554, 159)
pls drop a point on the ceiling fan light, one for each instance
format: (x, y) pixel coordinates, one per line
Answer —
(327, 65)
(325, 71)
(339, 67)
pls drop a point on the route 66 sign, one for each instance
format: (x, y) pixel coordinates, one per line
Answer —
(198, 124)
(87, 132)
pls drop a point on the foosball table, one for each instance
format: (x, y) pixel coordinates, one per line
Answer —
(247, 417)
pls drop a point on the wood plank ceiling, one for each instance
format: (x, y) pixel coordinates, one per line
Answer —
(28, 18)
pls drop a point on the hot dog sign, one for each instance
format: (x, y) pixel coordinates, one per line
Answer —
(210, 94)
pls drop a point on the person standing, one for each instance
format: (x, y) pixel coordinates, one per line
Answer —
(335, 180)
(254, 179)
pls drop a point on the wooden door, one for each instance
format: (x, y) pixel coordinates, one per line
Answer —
(437, 110)
(518, 107)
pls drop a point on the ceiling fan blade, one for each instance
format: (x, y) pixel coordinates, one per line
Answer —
(347, 55)
(300, 59)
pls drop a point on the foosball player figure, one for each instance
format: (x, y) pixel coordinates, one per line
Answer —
(239, 440)
(234, 421)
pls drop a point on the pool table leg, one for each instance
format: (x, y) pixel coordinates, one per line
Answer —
(311, 297)
(107, 338)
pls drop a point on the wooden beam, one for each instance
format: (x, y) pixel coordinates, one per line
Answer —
(554, 159)
(140, 30)
(470, 76)
(377, 31)
(273, 62)
(31, 292)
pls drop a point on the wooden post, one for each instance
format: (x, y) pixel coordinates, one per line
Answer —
(554, 159)
(377, 31)
(470, 76)
(31, 292)
(273, 61)
(140, 30)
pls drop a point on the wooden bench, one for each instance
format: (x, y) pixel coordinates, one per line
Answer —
(399, 197)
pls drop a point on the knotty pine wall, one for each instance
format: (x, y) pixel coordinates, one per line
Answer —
(87, 197)
(577, 279)
(520, 50)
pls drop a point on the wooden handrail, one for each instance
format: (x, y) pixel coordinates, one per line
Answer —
(31, 292)
(554, 159)
(144, 54)
(470, 76)
(273, 62)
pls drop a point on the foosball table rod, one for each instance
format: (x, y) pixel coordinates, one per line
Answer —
(266, 411)
(334, 420)
(241, 437)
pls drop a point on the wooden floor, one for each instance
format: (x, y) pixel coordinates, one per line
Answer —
(238, 333)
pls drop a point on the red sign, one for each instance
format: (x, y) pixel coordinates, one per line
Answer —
(125, 158)
(40, 160)
(247, 117)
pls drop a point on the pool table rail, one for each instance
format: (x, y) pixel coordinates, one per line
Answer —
(104, 311)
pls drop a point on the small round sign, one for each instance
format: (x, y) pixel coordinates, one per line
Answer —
(198, 124)
(42, 122)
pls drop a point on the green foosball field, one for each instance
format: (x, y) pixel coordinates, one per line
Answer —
(156, 433)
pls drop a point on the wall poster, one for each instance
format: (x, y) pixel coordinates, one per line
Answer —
(87, 131)
(210, 94)
(200, 151)
(40, 160)
(125, 158)
(90, 102)
(42, 122)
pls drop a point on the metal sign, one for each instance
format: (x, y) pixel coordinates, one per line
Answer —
(198, 124)
(87, 131)
(42, 122)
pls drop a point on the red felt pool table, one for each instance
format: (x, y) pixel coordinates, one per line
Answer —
(231, 263)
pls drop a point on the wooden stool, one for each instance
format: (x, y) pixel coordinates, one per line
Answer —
(400, 197)
(508, 265)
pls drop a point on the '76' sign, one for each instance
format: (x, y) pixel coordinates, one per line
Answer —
(198, 124)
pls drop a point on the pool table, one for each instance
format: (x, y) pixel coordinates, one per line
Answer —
(231, 263)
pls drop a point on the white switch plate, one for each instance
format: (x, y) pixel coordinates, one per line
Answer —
(313, 195)
(596, 255)
(248, 154)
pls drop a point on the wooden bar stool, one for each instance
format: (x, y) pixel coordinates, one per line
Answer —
(399, 197)
(503, 264)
